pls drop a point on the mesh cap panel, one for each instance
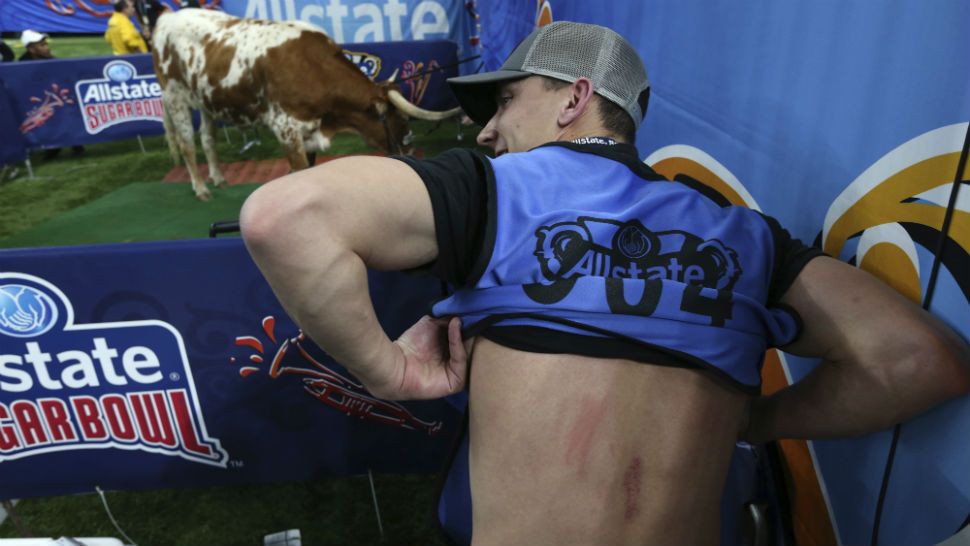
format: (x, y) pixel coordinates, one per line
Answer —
(566, 51)
(569, 51)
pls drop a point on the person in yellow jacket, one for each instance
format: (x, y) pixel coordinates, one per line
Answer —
(122, 34)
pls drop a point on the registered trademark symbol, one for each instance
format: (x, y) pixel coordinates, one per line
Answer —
(174, 376)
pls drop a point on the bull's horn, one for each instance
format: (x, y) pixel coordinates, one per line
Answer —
(393, 76)
(416, 112)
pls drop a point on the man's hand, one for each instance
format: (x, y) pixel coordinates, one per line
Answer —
(432, 361)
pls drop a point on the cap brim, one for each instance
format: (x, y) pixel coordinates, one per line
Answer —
(476, 92)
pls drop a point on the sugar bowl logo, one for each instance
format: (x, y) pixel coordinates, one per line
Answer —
(369, 64)
(119, 97)
(67, 386)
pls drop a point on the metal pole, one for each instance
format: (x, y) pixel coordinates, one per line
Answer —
(377, 509)
(30, 168)
(17, 522)
(141, 144)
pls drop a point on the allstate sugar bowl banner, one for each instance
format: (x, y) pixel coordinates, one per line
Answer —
(122, 367)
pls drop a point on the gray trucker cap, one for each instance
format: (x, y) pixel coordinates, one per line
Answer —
(565, 51)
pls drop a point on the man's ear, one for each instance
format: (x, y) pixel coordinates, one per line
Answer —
(580, 100)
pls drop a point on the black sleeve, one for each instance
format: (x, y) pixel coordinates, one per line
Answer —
(457, 182)
(791, 255)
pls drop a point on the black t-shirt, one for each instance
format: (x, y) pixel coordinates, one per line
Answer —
(6, 54)
(28, 56)
(457, 182)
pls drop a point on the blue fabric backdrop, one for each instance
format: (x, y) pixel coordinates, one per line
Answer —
(845, 120)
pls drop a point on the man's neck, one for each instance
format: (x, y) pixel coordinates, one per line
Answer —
(579, 131)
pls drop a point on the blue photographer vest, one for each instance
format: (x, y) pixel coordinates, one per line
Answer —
(582, 244)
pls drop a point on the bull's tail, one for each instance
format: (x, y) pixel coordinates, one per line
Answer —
(170, 137)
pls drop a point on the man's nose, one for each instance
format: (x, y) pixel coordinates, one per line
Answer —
(487, 135)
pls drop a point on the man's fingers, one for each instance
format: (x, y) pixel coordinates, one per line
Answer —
(455, 346)
(458, 363)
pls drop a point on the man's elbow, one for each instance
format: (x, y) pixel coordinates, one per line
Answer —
(286, 214)
(960, 374)
(268, 217)
(948, 358)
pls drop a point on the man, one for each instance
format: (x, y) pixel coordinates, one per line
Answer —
(37, 49)
(613, 322)
(122, 34)
(148, 13)
(6, 54)
(36, 46)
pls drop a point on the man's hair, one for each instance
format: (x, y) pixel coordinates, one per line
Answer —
(613, 117)
(120, 5)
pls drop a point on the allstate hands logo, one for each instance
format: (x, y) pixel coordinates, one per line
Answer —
(119, 71)
(25, 311)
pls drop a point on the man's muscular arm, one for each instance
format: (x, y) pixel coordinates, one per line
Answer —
(314, 233)
(885, 360)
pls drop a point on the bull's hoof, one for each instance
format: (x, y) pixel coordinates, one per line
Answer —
(204, 195)
(218, 183)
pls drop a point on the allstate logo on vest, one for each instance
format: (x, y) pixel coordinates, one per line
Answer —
(66, 386)
(599, 247)
(608, 248)
(120, 96)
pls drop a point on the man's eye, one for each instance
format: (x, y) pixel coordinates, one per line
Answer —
(505, 99)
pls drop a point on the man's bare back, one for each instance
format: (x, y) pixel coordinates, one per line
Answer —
(568, 449)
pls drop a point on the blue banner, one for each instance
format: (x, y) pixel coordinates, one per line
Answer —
(67, 16)
(422, 68)
(64, 102)
(379, 21)
(12, 147)
(346, 21)
(172, 364)
(845, 120)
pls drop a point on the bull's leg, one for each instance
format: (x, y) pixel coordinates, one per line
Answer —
(317, 143)
(295, 152)
(208, 133)
(170, 137)
(185, 138)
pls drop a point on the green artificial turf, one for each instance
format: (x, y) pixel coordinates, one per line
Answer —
(327, 512)
(63, 46)
(71, 180)
(142, 211)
